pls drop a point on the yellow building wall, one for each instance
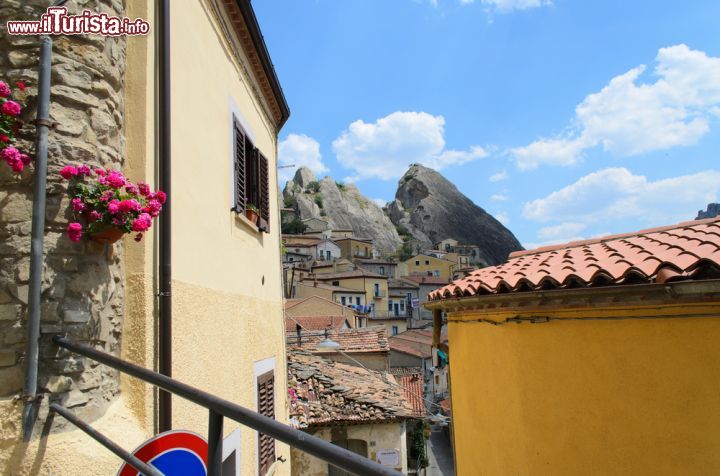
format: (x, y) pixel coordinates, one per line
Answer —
(630, 396)
(367, 284)
(445, 267)
(302, 291)
(350, 249)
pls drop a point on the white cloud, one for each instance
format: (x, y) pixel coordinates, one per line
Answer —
(615, 193)
(299, 150)
(497, 177)
(628, 117)
(499, 197)
(507, 6)
(503, 218)
(386, 148)
(561, 231)
(379, 202)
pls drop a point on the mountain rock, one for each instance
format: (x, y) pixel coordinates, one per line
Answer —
(713, 210)
(430, 209)
(343, 206)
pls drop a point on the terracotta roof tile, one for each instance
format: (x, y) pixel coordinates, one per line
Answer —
(314, 323)
(366, 339)
(412, 383)
(322, 392)
(674, 252)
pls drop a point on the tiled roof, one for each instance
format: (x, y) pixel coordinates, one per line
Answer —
(412, 384)
(323, 392)
(445, 406)
(314, 323)
(420, 279)
(366, 339)
(689, 250)
(405, 370)
(292, 302)
(415, 342)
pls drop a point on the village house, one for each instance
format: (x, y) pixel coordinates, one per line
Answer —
(362, 410)
(414, 349)
(373, 286)
(340, 265)
(426, 285)
(315, 224)
(604, 352)
(225, 290)
(316, 323)
(404, 296)
(339, 294)
(367, 347)
(352, 248)
(378, 266)
(319, 306)
(426, 265)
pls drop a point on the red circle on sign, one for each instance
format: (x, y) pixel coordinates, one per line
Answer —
(170, 440)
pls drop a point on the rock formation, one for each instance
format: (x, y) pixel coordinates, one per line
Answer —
(713, 210)
(430, 209)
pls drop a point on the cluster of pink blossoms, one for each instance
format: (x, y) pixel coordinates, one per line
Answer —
(9, 125)
(108, 198)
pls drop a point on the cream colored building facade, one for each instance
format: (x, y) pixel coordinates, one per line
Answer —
(228, 326)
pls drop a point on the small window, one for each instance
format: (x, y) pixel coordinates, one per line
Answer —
(342, 300)
(427, 262)
(395, 330)
(251, 181)
(437, 380)
(436, 273)
(336, 283)
(327, 254)
(402, 306)
(382, 270)
(390, 305)
(266, 406)
(357, 301)
(377, 289)
(417, 262)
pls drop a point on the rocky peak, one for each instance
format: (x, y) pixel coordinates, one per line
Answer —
(303, 177)
(430, 209)
(713, 210)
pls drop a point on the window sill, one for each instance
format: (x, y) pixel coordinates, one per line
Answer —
(240, 218)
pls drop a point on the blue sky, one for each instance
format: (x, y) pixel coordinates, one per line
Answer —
(565, 119)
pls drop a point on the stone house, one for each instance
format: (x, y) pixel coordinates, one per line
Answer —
(315, 224)
(604, 352)
(426, 285)
(104, 98)
(352, 247)
(378, 266)
(414, 349)
(374, 287)
(359, 409)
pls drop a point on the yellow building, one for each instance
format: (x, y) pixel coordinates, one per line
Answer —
(227, 310)
(375, 287)
(352, 248)
(596, 357)
(427, 266)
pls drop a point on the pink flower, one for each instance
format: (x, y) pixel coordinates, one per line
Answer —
(108, 195)
(132, 189)
(160, 196)
(131, 205)
(114, 206)
(95, 215)
(74, 231)
(142, 223)
(16, 165)
(13, 158)
(20, 85)
(77, 204)
(115, 179)
(118, 221)
(153, 208)
(144, 189)
(25, 159)
(100, 172)
(4, 138)
(83, 170)
(68, 172)
(5, 90)
(11, 108)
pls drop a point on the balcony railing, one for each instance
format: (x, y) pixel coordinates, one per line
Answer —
(379, 294)
(218, 409)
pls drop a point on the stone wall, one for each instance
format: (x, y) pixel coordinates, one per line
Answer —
(83, 291)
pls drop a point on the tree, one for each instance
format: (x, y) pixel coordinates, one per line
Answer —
(295, 227)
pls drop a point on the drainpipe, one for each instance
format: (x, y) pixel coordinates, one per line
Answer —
(42, 124)
(165, 236)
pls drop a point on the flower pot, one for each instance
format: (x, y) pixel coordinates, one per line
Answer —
(106, 233)
(251, 215)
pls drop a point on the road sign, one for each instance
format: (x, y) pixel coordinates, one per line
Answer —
(176, 452)
(415, 303)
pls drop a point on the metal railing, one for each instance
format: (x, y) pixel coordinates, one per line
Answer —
(218, 410)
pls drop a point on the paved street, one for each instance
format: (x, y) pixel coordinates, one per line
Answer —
(440, 454)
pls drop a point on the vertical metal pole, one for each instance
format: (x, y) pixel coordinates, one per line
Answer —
(215, 431)
(37, 238)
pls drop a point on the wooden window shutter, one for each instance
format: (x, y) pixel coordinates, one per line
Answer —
(240, 169)
(266, 406)
(251, 172)
(264, 193)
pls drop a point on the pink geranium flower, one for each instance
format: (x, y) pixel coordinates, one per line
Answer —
(115, 179)
(77, 204)
(68, 172)
(160, 196)
(100, 172)
(20, 85)
(153, 208)
(11, 108)
(83, 170)
(4, 138)
(142, 223)
(114, 206)
(74, 231)
(95, 215)
(130, 205)
(5, 90)
(25, 159)
(144, 189)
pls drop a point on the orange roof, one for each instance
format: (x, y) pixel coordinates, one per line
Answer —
(689, 250)
(412, 384)
(445, 406)
(314, 323)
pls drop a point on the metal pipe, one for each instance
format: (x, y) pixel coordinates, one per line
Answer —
(215, 433)
(165, 229)
(42, 123)
(133, 461)
(310, 444)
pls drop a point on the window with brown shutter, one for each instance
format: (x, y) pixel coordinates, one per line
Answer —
(252, 178)
(266, 406)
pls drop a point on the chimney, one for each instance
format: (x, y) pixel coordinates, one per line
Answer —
(298, 329)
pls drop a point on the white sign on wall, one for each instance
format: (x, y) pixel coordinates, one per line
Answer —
(388, 457)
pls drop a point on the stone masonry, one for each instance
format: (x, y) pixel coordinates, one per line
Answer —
(82, 292)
